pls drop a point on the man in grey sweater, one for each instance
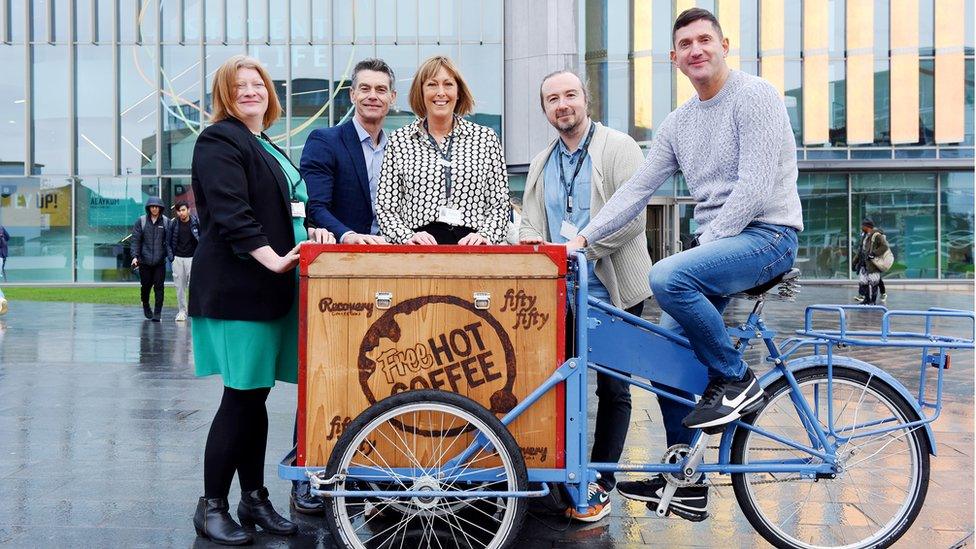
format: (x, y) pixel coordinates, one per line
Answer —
(568, 182)
(734, 145)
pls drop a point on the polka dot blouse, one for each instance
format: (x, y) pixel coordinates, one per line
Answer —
(412, 182)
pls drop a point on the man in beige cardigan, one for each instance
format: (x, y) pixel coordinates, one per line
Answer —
(567, 182)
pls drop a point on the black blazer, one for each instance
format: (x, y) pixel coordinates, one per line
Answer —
(241, 197)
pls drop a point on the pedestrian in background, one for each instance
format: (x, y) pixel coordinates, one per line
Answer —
(181, 239)
(443, 178)
(243, 293)
(870, 263)
(149, 252)
(4, 250)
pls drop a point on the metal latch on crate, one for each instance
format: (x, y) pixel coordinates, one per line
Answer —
(384, 300)
(482, 300)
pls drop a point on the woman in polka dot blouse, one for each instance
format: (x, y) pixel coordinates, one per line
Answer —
(443, 178)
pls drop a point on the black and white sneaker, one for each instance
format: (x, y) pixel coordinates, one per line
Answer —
(724, 401)
(689, 503)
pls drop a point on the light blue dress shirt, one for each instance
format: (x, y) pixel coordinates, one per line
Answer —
(374, 159)
(555, 193)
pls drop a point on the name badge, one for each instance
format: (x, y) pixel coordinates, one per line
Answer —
(568, 230)
(297, 209)
(451, 216)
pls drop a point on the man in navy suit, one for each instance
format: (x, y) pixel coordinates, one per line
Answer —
(341, 164)
(341, 167)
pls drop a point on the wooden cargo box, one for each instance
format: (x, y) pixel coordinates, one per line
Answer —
(355, 349)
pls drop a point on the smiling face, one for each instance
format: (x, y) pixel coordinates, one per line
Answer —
(699, 51)
(251, 95)
(440, 94)
(564, 101)
(372, 95)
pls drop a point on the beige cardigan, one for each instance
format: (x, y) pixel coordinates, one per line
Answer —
(622, 263)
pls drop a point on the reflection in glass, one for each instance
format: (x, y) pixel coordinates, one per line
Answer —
(12, 106)
(139, 109)
(310, 89)
(37, 214)
(793, 77)
(181, 106)
(926, 101)
(823, 244)
(477, 64)
(96, 116)
(903, 205)
(50, 109)
(957, 224)
(106, 209)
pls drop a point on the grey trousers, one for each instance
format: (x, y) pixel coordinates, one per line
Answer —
(181, 278)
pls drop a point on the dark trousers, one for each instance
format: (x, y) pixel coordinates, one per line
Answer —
(444, 233)
(612, 411)
(152, 277)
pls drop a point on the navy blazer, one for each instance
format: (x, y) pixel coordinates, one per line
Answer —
(338, 186)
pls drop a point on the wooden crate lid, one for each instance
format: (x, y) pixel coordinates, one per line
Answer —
(402, 261)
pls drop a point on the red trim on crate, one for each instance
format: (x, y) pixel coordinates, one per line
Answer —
(302, 365)
(560, 358)
(556, 253)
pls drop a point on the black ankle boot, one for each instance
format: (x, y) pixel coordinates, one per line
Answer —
(255, 508)
(212, 521)
(147, 311)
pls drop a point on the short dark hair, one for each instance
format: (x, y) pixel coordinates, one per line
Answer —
(181, 204)
(583, 84)
(691, 15)
(374, 64)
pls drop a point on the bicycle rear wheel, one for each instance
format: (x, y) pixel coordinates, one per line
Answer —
(875, 498)
(407, 442)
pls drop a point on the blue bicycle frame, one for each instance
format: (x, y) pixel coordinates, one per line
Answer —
(615, 343)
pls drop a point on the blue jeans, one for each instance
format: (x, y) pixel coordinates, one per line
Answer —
(691, 287)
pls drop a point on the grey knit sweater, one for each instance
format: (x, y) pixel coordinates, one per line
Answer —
(737, 153)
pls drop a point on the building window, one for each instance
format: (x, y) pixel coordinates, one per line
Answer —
(37, 213)
(823, 244)
(957, 224)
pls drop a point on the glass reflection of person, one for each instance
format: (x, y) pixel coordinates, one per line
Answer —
(443, 178)
(243, 301)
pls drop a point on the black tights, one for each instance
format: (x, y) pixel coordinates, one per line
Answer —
(237, 442)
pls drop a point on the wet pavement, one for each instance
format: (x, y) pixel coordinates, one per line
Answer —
(102, 429)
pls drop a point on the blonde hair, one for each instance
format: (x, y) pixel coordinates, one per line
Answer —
(225, 90)
(427, 70)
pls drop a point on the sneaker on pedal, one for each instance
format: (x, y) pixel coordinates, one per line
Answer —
(598, 505)
(724, 401)
(689, 503)
(859, 299)
(884, 298)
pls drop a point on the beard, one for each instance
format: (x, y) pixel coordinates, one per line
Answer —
(569, 127)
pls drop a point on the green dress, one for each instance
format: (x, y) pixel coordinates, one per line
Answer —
(253, 354)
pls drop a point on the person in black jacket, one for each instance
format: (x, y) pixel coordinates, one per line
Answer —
(251, 203)
(182, 236)
(149, 251)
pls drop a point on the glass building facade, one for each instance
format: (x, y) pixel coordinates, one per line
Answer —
(880, 98)
(102, 100)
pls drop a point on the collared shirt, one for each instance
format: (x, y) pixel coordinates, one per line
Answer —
(373, 155)
(413, 185)
(555, 193)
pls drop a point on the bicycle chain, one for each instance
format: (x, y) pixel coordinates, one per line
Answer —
(758, 482)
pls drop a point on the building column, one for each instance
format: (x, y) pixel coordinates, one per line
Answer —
(540, 37)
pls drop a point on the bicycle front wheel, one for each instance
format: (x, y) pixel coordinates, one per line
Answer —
(874, 499)
(427, 441)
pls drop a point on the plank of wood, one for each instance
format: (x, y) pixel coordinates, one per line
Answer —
(401, 264)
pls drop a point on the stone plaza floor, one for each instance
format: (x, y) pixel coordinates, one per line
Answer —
(102, 429)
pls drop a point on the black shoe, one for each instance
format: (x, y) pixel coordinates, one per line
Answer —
(689, 503)
(212, 521)
(724, 401)
(255, 508)
(157, 314)
(304, 502)
(147, 311)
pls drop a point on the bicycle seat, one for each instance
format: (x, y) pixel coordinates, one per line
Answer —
(789, 276)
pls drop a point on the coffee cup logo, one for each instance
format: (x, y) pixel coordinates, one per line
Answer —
(471, 353)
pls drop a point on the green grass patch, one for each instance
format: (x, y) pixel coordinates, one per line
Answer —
(128, 295)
